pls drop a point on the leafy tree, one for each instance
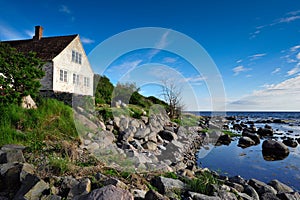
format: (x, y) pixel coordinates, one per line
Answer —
(104, 89)
(20, 74)
(123, 92)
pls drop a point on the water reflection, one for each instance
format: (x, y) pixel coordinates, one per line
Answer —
(271, 156)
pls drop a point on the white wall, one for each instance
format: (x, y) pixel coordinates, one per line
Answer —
(64, 61)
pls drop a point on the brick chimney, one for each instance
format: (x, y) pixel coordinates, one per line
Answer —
(38, 33)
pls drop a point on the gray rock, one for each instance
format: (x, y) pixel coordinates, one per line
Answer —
(253, 136)
(244, 196)
(109, 192)
(261, 187)
(139, 194)
(115, 182)
(245, 142)
(165, 185)
(153, 195)
(83, 187)
(11, 153)
(152, 137)
(280, 187)
(227, 195)
(142, 133)
(37, 191)
(236, 186)
(238, 179)
(251, 192)
(198, 196)
(150, 146)
(289, 196)
(168, 135)
(275, 147)
(268, 196)
(265, 132)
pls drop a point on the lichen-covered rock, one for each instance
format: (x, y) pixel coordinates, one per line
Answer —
(165, 185)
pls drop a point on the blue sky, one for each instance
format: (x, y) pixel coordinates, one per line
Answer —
(255, 45)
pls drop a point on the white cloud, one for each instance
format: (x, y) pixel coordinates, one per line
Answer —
(274, 97)
(293, 12)
(169, 60)
(298, 56)
(277, 70)
(295, 48)
(237, 70)
(288, 19)
(161, 44)
(85, 40)
(294, 71)
(124, 67)
(8, 33)
(195, 80)
(257, 56)
(64, 9)
(239, 61)
(29, 33)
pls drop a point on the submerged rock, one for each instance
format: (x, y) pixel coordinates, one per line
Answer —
(245, 142)
(275, 150)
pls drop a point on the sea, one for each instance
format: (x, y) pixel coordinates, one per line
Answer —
(249, 162)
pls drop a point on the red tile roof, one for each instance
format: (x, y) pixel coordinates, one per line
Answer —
(46, 48)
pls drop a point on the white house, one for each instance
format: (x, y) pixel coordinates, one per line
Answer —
(66, 64)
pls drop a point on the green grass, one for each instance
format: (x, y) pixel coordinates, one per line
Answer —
(52, 120)
(188, 120)
(202, 183)
(231, 134)
(59, 165)
(170, 175)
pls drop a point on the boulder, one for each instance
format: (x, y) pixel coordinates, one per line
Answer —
(268, 196)
(227, 195)
(116, 182)
(165, 185)
(142, 133)
(251, 192)
(265, 132)
(110, 192)
(280, 187)
(83, 187)
(245, 142)
(237, 127)
(198, 196)
(11, 153)
(253, 136)
(28, 103)
(261, 187)
(153, 195)
(289, 196)
(274, 149)
(290, 142)
(224, 139)
(168, 135)
(37, 191)
(150, 146)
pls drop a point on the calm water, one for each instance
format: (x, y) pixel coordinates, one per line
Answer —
(249, 163)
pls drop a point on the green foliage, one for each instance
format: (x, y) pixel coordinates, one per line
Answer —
(202, 183)
(59, 165)
(20, 75)
(103, 89)
(188, 120)
(170, 175)
(111, 172)
(230, 133)
(53, 119)
(124, 91)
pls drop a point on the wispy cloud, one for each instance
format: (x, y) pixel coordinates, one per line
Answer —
(64, 9)
(294, 71)
(237, 70)
(257, 56)
(298, 56)
(195, 80)
(85, 40)
(239, 61)
(287, 95)
(295, 48)
(293, 16)
(124, 67)
(30, 33)
(275, 71)
(169, 60)
(161, 44)
(8, 33)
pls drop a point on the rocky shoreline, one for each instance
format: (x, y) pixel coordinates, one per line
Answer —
(161, 155)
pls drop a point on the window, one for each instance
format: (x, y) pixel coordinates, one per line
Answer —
(76, 57)
(63, 75)
(86, 81)
(75, 79)
(73, 56)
